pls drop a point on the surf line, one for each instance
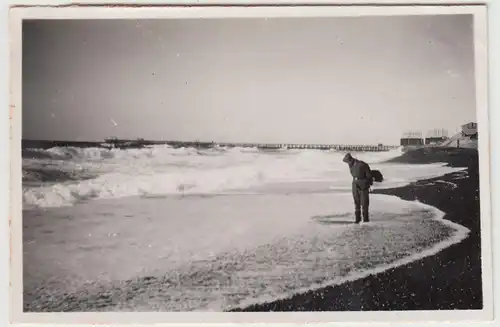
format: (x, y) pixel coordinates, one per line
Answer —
(461, 233)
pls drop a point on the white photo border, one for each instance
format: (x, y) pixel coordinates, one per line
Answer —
(17, 15)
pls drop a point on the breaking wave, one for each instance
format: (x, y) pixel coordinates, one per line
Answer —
(63, 176)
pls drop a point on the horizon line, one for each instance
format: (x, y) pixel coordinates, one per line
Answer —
(119, 140)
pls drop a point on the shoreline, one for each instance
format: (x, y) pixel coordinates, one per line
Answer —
(44, 296)
(363, 290)
(447, 280)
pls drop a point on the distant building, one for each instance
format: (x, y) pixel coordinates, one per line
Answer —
(469, 130)
(412, 139)
(435, 140)
(436, 136)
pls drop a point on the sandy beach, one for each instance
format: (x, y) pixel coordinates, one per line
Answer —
(449, 280)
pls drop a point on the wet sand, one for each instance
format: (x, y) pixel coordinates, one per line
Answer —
(449, 280)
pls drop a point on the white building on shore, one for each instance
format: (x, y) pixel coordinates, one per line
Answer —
(469, 130)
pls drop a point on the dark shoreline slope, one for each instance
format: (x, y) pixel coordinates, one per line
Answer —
(454, 157)
(449, 280)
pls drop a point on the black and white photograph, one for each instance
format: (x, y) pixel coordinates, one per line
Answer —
(249, 161)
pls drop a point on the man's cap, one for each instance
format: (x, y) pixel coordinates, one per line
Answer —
(347, 158)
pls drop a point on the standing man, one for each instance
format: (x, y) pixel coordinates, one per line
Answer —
(362, 180)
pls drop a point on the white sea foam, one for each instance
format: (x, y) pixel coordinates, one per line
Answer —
(162, 170)
(223, 252)
(459, 234)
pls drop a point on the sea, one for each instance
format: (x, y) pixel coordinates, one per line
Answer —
(185, 229)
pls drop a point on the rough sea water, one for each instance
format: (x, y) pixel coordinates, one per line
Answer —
(164, 229)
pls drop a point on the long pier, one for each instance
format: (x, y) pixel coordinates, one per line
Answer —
(337, 147)
(265, 146)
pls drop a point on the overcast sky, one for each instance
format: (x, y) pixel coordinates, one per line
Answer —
(304, 80)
